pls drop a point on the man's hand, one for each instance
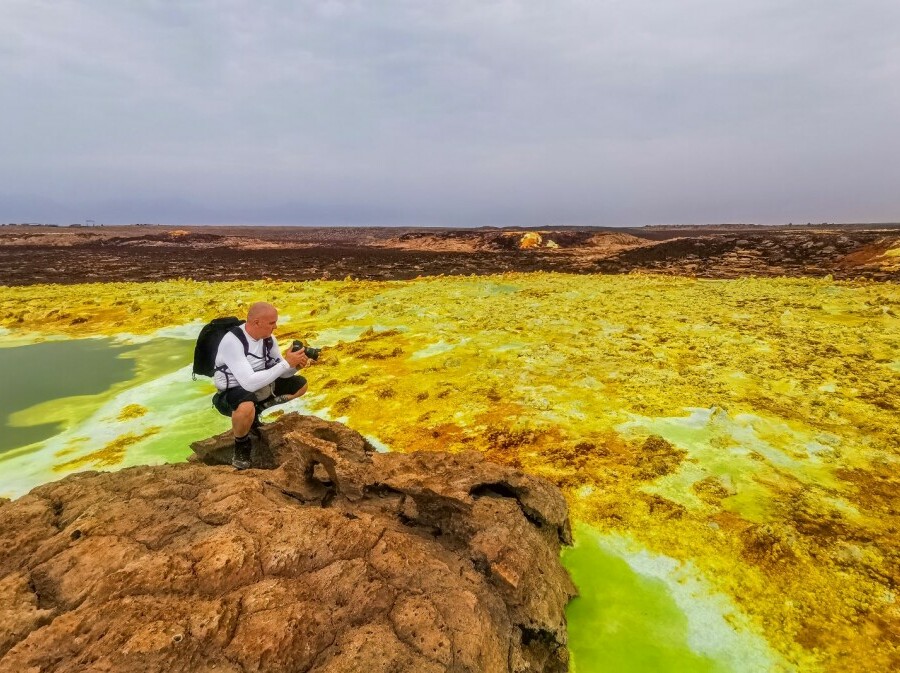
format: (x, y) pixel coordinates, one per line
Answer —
(296, 359)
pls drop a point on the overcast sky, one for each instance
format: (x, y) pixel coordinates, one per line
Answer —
(459, 113)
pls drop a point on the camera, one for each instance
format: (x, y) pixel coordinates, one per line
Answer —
(311, 353)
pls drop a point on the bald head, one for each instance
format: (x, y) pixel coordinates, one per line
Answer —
(261, 320)
(260, 309)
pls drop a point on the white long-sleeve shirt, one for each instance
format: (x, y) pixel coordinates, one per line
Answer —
(247, 371)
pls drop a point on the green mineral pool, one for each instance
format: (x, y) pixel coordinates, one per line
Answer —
(98, 403)
(639, 612)
(54, 370)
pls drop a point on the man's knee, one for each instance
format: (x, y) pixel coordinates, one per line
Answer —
(246, 410)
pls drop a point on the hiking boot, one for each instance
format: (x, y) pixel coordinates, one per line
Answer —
(242, 449)
(271, 402)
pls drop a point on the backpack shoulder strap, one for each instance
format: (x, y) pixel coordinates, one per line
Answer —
(239, 333)
(268, 343)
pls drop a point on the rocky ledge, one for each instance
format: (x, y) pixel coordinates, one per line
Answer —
(329, 557)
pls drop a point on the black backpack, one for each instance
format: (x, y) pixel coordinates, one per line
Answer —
(208, 344)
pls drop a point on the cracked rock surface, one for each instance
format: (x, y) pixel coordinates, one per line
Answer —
(327, 557)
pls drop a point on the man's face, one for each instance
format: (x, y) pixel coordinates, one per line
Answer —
(265, 324)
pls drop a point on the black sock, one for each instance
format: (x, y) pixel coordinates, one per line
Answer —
(242, 447)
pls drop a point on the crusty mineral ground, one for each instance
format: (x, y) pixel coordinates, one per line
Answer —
(328, 557)
(44, 254)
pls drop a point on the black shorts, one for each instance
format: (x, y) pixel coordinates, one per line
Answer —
(226, 401)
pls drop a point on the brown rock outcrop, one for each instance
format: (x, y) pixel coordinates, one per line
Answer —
(335, 559)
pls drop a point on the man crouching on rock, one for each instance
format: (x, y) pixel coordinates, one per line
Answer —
(254, 375)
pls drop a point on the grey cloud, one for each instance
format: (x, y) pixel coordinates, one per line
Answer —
(462, 113)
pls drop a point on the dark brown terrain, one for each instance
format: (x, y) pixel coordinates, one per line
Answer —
(45, 254)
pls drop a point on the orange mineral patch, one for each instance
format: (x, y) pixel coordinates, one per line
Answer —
(131, 411)
(110, 455)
